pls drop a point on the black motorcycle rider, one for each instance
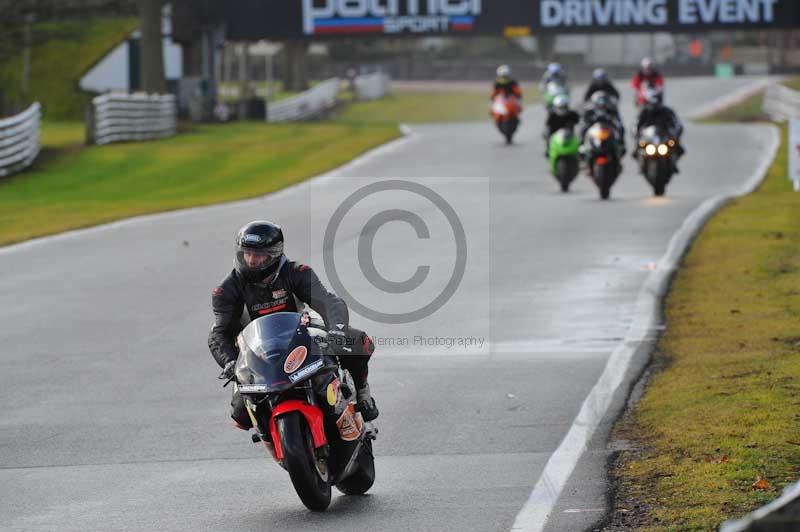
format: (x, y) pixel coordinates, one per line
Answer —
(560, 116)
(602, 107)
(601, 83)
(655, 113)
(264, 281)
(553, 73)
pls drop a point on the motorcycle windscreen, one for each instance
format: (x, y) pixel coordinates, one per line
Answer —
(554, 87)
(652, 134)
(275, 352)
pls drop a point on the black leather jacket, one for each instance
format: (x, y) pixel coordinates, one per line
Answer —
(604, 86)
(662, 116)
(556, 121)
(278, 293)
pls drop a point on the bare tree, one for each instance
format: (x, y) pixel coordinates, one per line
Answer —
(296, 66)
(152, 52)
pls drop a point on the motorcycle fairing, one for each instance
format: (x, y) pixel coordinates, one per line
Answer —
(313, 416)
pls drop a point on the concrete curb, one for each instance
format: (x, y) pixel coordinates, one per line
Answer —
(534, 514)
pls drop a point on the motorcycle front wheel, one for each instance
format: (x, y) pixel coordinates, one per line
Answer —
(604, 178)
(309, 473)
(566, 171)
(657, 174)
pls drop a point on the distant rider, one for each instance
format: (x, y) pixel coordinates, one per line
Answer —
(554, 73)
(559, 117)
(601, 83)
(505, 84)
(655, 113)
(647, 76)
(603, 108)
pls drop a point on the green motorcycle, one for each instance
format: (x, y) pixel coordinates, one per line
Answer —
(563, 153)
(551, 90)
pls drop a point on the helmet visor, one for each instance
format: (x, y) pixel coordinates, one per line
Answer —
(257, 260)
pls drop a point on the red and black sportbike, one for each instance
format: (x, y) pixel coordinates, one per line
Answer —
(603, 154)
(302, 405)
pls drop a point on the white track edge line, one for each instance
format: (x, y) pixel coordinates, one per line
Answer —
(734, 98)
(534, 514)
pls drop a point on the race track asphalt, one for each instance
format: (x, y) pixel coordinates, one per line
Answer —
(112, 417)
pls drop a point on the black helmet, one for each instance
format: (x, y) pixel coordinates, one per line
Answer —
(259, 249)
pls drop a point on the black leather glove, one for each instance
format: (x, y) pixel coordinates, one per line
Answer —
(227, 371)
(337, 339)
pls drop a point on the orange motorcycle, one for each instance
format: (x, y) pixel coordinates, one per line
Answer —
(505, 112)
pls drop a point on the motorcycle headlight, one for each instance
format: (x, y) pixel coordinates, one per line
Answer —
(662, 149)
(650, 149)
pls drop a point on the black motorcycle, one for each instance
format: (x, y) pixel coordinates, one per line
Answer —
(656, 156)
(602, 153)
(302, 405)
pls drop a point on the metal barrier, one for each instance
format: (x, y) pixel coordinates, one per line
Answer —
(781, 515)
(307, 105)
(781, 103)
(120, 117)
(371, 86)
(19, 140)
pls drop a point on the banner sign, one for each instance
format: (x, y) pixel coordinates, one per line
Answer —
(389, 17)
(314, 19)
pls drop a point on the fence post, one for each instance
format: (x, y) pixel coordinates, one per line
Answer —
(794, 152)
(90, 124)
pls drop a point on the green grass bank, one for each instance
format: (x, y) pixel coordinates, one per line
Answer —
(73, 186)
(717, 431)
(66, 51)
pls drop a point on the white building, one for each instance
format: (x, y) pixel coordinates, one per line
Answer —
(113, 72)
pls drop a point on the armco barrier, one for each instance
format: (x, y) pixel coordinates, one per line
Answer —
(124, 117)
(781, 103)
(781, 515)
(306, 105)
(19, 140)
(371, 86)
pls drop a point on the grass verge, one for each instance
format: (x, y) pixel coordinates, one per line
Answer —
(749, 109)
(717, 432)
(419, 107)
(72, 186)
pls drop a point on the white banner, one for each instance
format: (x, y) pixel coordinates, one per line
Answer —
(794, 152)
